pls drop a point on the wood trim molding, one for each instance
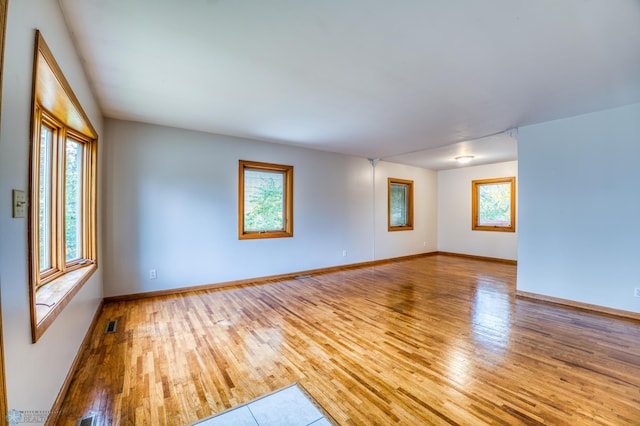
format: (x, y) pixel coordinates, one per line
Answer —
(4, 5)
(42, 324)
(578, 305)
(52, 91)
(471, 256)
(262, 280)
(3, 384)
(84, 346)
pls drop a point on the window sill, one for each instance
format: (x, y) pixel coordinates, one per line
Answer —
(266, 234)
(51, 298)
(400, 228)
(494, 228)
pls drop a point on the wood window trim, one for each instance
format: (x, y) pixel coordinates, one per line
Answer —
(409, 225)
(475, 208)
(56, 107)
(61, 134)
(3, 384)
(287, 171)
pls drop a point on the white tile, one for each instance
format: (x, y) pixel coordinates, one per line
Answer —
(322, 422)
(287, 407)
(240, 416)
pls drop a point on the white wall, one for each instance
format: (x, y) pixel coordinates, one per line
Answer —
(171, 202)
(454, 213)
(424, 236)
(35, 372)
(579, 233)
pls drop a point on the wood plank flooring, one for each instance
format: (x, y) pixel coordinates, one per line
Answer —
(434, 340)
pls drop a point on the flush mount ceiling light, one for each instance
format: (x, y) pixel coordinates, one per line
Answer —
(464, 159)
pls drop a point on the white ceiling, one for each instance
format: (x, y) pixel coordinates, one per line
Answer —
(487, 150)
(372, 78)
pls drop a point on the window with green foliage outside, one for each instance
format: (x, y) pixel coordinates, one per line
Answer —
(400, 197)
(494, 204)
(265, 200)
(63, 193)
(73, 200)
(62, 216)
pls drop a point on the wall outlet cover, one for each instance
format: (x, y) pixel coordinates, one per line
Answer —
(19, 203)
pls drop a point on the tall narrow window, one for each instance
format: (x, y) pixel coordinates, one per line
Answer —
(44, 198)
(73, 200)
(494, 204)
(62, 219)
(400, 200)
(265, 200)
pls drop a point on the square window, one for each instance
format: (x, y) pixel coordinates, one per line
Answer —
(493, 205)
(265, 200)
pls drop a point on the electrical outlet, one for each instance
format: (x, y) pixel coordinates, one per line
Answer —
(636, 292)
(153, 274)
(344, 253)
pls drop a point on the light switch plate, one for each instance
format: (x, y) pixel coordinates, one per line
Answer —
(19, 203)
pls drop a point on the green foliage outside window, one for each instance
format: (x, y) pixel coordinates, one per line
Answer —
(398, 205)
(494, 204)
(73, 205)
(264, 201)
(44, 198)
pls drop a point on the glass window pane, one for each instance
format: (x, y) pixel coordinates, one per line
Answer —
(44, 199)
(263, 201)
(399, 207)
(73, 200)
(494, 204)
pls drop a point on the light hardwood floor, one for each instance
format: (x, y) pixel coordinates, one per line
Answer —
(433, 340)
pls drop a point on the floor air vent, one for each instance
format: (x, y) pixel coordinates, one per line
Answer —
(302, 277)
(111, 328)
(86, 421)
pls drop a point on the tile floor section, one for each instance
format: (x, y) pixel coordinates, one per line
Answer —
(287, 407)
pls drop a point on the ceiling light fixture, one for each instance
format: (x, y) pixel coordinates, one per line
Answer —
(464, 159)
